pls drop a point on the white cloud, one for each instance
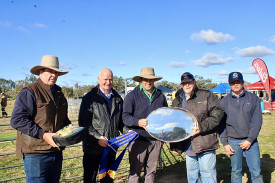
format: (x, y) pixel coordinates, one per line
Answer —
(223, 72)
(25, 68)
(251, 70)
(163, 112)
(23, 29)
(39, 25)
(121, 63)
(212, 59)
(167, 126)
(5, 23)
(177, 64)
(211, 37)
(85, 74)
(65, 66)
(257, 51)
(273, 39)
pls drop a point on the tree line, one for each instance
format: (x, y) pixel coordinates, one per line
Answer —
(12, 88)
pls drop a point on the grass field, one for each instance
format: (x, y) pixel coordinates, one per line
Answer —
(173, 167)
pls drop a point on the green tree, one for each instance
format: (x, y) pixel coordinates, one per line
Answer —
(68, 91)
(205, 84)
(19, 85)
(76, 93)
(118, 83)
(30, 79)
(7, 86)
(85, 89)
(170, 85)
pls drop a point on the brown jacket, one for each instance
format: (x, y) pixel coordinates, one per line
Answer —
(205, 106)
(51, 112)
(4, 101)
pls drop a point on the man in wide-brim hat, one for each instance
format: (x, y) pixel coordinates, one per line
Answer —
(138, 104)
(40, 110)
(147, 73)
(48, 62)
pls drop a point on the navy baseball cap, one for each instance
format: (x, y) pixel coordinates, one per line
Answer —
(186, 77)
(235, 76)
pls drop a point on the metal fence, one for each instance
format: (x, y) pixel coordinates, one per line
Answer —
(12, 167)
(64, 177)
(15, 163)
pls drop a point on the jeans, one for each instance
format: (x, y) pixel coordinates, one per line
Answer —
(43, 168)
(202, 168)
(252, 156)
(4, 114)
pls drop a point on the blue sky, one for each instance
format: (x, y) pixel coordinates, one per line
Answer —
(209, 38)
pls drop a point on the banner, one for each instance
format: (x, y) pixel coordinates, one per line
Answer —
(114, 144)
(261, 69)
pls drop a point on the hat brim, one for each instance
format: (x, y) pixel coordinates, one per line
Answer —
(187, 80)
(35, 70)
(232, 80)
(137, 78)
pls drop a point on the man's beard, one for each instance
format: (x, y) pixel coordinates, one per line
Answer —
(188, 91)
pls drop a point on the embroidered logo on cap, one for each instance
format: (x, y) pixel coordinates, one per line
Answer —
(235, 75)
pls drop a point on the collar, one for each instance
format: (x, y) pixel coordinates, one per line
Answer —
(154, 89)
(182, 95)
(53, 89)
(150, 97)
(107, 95)
(237, 96)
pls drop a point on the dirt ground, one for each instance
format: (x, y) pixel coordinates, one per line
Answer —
(170, 178)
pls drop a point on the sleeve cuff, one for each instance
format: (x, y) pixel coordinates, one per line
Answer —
(250, 140)
(41, 133)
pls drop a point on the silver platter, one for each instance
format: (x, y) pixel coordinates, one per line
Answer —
(171, 124)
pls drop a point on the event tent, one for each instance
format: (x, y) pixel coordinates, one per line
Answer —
(164, 89)
(259, 86)
(221, 88)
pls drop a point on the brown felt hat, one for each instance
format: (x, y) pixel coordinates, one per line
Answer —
(48, 62)
(148, 73)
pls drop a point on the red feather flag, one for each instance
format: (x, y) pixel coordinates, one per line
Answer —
(261, 69)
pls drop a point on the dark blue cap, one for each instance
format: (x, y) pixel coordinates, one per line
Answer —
(235, 76)
(186, 77)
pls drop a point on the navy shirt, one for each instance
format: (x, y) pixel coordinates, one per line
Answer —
(243, 117)
(138, 106)
(108, 100)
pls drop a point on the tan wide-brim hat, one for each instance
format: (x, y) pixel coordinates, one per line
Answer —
(48, 62)
(148, 73)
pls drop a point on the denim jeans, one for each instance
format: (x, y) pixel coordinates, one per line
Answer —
(202, 168)
(252, 156)
(4, 113)
(43, 168)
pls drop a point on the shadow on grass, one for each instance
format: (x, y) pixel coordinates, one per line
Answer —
(268, 166)
(223, 168)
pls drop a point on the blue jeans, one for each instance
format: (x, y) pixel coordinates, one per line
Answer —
(202, 168)
(252, 156)
(43, 168)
